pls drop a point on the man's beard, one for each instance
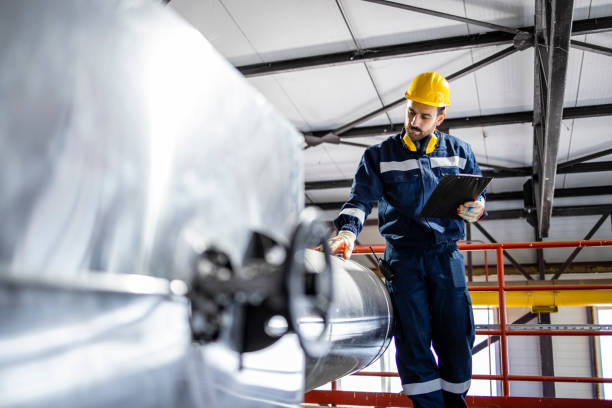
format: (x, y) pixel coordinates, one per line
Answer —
(415, 133)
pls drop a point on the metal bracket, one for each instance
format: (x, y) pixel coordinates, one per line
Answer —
(251, 307)
(522, 40)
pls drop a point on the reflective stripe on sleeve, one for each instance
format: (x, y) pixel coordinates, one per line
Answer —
(452, 161)
(423, 387)
(455, 388)
(401, 166)
(355, 212)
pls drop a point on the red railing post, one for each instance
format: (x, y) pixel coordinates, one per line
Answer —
(501, 287)
(334, 388)
(486, 266)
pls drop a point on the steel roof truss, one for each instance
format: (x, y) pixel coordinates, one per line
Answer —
(553, 20)
(588, 26)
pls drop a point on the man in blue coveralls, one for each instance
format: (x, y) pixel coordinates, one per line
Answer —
(429, 291)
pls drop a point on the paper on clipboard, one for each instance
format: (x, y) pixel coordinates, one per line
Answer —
(452, 191)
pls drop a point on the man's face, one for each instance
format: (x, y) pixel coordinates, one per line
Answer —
(421, 120)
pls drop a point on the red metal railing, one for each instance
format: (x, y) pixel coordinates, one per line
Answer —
(387, 399)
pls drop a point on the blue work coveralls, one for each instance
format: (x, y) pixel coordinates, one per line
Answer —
(429, 292)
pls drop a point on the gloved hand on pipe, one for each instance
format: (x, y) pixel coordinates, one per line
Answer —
(342, 244)
(471, 211)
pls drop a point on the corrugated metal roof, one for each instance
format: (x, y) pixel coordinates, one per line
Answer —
(324, 98)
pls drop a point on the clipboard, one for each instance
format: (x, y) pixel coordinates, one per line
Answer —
(452, 191)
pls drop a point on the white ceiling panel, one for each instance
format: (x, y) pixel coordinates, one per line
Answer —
(507, 145)
(283, 29)
(376, 25)
(464, 101)
(596, 8)
(276, 95)
(595, 82)
(586, 200)
(582, 9)
(516, 13)
(591, 135)
(330, 97)
(475, 137)
(318, 164)
(603, 39)
(572, 78)
(398, 115)
(500, 185)
(504, 204)
(346, 159)
(331, 162)
(565, 140)
(505, 85)
(216, 24)
(381, 120)
(575, 228)
(586, 180)
(588, 135)
(510, 145)
(569, 228)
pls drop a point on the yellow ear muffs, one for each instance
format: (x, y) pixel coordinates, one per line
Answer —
(431, 145)
(409, 143)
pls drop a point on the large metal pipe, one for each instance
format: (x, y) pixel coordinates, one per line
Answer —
(134, 158)
(360, 322)
(130, 146)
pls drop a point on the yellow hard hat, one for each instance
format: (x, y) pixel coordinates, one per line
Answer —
(429, 88)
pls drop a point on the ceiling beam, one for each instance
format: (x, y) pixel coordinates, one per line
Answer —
(511, 118)
(560, 192)
(598, 49)
(588, 26)
(582, 159)
(510, 195)
(577, 168)
(518, 213)
(553, 26)
(378, 53)
(517, 172)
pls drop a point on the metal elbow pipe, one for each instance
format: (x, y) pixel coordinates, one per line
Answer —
(360, 322)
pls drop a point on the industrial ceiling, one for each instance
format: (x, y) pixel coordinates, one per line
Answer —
(531, 91)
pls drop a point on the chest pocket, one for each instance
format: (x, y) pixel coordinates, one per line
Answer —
(443, 171)
(402, 189)
(442, 166)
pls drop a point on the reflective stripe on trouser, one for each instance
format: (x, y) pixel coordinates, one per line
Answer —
(436, 385)
(432, 305)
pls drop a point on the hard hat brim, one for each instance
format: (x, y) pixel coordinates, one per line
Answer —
(426, 102)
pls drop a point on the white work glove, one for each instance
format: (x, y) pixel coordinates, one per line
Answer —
(342, 244)
(471, 211)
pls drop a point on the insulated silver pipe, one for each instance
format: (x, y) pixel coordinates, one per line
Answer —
(129, 148)
(360, 322)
